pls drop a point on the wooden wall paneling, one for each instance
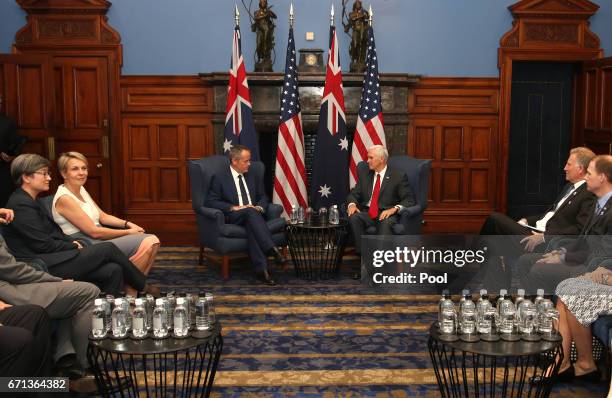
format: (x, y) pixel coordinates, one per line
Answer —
(454, 122)
(166, 122)
(594, 98)
(87, 55)
(27, 98)
(542, 30)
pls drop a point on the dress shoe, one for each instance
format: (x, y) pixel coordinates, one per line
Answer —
(279, 259)
(266, 278)
(591, 377)
(65, 362)
(152, 290)
(562, 377)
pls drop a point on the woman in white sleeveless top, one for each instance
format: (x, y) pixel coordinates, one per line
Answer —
(80, 217)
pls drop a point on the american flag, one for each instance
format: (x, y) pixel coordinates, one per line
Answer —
(290, 174)
(369, 130)
(329, 184)
(239, 125)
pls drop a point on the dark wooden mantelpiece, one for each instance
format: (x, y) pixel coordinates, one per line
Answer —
(265, 96)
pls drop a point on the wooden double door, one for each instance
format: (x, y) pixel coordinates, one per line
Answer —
(62, 103)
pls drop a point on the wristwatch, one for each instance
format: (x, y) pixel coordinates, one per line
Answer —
(604, 278)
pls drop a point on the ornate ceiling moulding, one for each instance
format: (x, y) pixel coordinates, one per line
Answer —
(540, 24)
(66, 23)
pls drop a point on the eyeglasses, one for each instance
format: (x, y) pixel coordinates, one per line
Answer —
(43, 173)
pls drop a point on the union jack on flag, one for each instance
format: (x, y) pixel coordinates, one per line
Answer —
(369, 130)
(330, 165)
(239, 125)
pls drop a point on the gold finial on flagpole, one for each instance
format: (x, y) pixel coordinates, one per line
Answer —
(332, 16)
(291, 16)
(237, 15)
(370, 15)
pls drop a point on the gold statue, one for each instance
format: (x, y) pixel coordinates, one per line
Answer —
(358, 22)
(263, 25)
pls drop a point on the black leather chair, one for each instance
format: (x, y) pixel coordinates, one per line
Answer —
(214, 233)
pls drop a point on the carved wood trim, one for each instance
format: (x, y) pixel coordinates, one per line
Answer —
(65, 22)
(542, 30)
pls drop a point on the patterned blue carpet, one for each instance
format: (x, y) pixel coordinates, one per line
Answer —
(316, 339)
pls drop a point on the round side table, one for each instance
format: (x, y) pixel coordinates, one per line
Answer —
(170, 367)
(493, 369)
(317, 249)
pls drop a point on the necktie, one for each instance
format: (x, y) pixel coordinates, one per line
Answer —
(243, 192)
(373, 211)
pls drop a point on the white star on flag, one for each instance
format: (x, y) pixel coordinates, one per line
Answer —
(227, 145)
(343, 144)
(325, 190)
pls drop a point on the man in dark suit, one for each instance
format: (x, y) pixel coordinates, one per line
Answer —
(25, 341)
(572, 257)
(378, 197)
(567, 216)
(34, 235)
(243, 201)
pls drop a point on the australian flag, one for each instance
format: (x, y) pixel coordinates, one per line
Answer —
(329, 185)
(239, 125)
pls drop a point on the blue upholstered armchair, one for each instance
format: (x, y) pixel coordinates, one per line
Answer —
(417, 170)
(214, 233)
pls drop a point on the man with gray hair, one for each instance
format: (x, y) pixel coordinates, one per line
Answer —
(378, 197)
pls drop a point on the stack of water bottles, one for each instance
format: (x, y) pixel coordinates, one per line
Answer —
(503, 319)
(141, 317)
(299, 215)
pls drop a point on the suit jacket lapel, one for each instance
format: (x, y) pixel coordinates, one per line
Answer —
(595, 218)
(369, 185)
(230, 180)
(385, 181)
(571, 197)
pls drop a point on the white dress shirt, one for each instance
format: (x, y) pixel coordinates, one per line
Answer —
(241, 201)
(541, 223)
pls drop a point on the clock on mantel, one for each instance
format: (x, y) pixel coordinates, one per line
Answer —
(311, 60)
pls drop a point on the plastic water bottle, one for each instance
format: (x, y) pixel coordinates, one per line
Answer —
(544, 320)
(119, 320)
(191, 300)
(323, 215)
(500, 298)
(128, 304)
(212, 317)
(150, 306)
(98, 319)
(539, 298)
(448, 317)
(293, 217)
(108, 307)
(187, 309)
(526, 317)
(445, 295)
(334, 215)
(466, 301)
(160, 319)
(170, 303)
(483, 313)
(201, 315)
(181, 326)
(520, 296)
(300, 215)
(507, 314)
(139, 320)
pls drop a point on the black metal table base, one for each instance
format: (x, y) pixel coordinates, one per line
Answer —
(157, 368)
(316, 250)
(485, 372)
